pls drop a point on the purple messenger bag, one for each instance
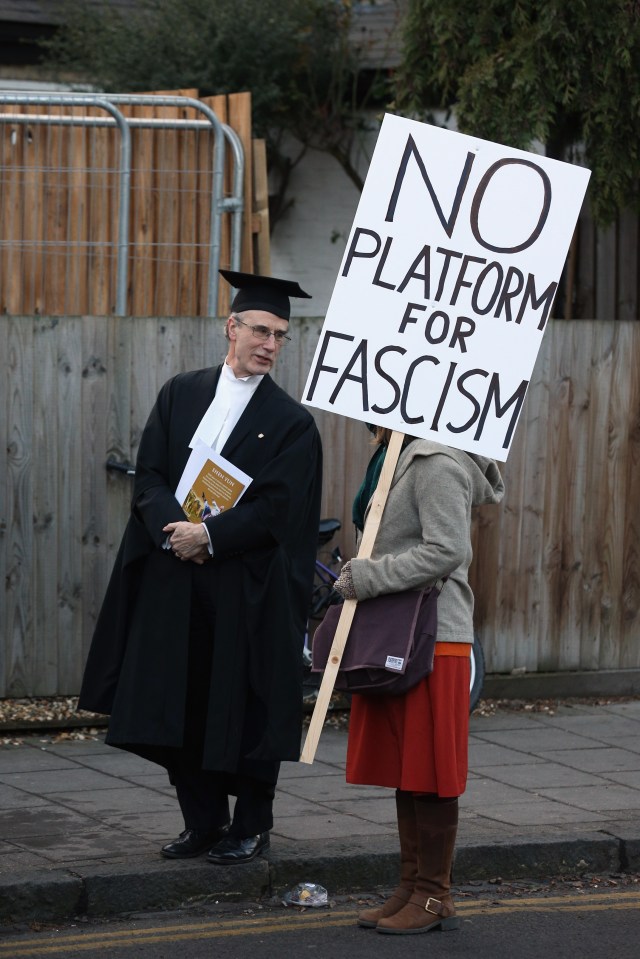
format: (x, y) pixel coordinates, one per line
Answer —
(390, 645)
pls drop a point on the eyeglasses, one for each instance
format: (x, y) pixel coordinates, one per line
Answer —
(263, 332)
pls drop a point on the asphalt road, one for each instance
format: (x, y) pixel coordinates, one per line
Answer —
(536, 923)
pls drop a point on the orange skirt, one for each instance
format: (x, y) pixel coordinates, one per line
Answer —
(418, 741)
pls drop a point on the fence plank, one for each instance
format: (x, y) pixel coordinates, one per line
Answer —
(628, 273)
(569, 478)
(613, 491)
(148, 278)
(76, 272)
(93, 490)
(18, 539)
(72, 463)
(219, 105)
(240, 121)
(7, 386)
(595, 598)
(121, 361)
(46, 528)
(16, 276)
(630, 494)
(101, 230)
(606, 252)
(260, 221)
(187, 231)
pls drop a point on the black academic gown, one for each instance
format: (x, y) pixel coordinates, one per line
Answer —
(260, 578)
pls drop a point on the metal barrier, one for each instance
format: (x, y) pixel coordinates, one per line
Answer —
(220, 205)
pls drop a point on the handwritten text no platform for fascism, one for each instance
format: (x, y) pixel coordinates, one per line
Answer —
(443, 291)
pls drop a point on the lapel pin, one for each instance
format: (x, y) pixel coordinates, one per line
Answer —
(260, 436)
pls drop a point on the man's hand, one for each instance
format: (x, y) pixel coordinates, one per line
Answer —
(188, 541)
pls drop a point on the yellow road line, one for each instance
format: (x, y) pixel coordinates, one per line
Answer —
(107, 939)
(75, 945)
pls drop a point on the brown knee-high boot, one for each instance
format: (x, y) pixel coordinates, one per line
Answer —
(430, 905)
(407, 831)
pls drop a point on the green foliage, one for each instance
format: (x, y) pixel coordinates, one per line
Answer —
(565, 73)
(281, 50)
(292, 55)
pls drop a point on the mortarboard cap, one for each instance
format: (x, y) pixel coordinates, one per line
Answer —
(263, 293)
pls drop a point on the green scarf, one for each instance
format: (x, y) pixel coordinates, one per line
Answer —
(368, 486)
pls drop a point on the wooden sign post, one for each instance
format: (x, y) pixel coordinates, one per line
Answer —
(349, 606)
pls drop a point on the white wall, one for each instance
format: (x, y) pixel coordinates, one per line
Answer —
(308, 242)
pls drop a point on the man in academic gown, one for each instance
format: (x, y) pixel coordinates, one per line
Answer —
(197, 652)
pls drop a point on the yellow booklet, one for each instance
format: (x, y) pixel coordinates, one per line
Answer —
(209, 484)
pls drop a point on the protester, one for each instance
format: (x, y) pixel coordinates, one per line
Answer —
(197, 652)
(416, 742)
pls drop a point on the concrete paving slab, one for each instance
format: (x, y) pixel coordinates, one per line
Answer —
(20, 823)
(74, 847)
(14, 859)
(330, 788)
(113, 802)
(603, 759)
(157, 782)
(10, 798)
(631, 779)
(501, 721)
(483, 754)
(158, 827)
(631, 708)
(28, 759)
(604, 797)
(485, 793)
(547, 775)
(339, 825)
(540, 811)
(381, 811)
(631, 743)
(289, 805)
(121, 764)
(539, 739)
(52, 781)
(77, 748)
(302, 770)
(611, 731)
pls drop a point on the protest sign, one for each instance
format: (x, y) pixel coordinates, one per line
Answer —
(446, 286)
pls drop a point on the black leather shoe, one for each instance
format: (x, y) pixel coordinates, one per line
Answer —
(230, 850)
(193, 842)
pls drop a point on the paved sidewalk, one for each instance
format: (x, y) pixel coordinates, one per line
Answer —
(81, 823)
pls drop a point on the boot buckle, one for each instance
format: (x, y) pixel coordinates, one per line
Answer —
(433, 906)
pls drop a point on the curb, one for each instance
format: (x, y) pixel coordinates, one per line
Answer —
(342, 866)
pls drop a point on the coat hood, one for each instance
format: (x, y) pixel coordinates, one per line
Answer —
(487, 485)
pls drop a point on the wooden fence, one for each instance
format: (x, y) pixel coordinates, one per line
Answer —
(556, 570)
(59, 210)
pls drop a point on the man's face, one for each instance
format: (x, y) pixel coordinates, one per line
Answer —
(250, 354)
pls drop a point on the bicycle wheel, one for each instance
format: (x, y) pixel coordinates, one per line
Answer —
(477, 673)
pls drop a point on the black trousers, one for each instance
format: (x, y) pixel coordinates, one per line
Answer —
(204, 794)
(204, 800)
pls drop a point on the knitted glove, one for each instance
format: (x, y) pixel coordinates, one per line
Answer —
(344, 583)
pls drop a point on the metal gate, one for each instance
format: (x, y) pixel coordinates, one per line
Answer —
(93, 201)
